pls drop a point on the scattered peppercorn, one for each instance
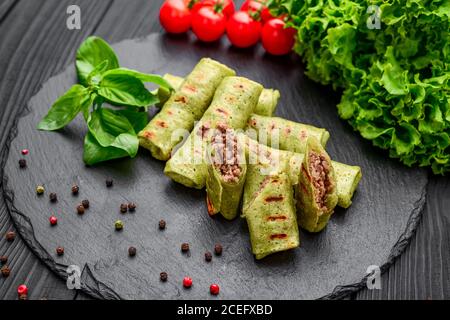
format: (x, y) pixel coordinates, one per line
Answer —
(60, 251)
(208, 256)
(185, 247)
(25, 152)
(163, 276)
(40, 190)
(22, 289)
(23, 297)
(53, 197)
(80, 209)
(109, 183)
(5, 271)
(132, 207)
(75, 189)
(123, 208)
(3, 259)
(132, 251)
(22, 163)
(10, 236)
(187, 282)
(53, 221)
(218, 249)
(214, 289)
(85, 203)
(162, 224)
(118, 225)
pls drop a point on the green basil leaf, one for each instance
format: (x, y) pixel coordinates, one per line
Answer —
(95, 153)
(128, 142)
(91, 53)
(111, 129)
(122, 89)
(96, 75)
(66, 108)
(137, 118)
(144, 77)
(87, 108)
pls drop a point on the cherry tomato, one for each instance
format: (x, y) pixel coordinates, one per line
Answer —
(208, 24)
(242, 30)
(277, 39)
(266, 15)
(258, 6)
(227, 6)
(175, 16)
(253, 5)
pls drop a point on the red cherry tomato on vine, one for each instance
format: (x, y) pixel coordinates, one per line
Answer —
(277, 39)
(227, 6)
(253, 5)
(242, 30)
(257, 6)
(175, 16)
(266, 15)
(208, 24)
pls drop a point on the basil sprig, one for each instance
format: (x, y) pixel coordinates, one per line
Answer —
(112, 133)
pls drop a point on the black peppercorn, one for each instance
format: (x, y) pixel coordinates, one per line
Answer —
(5, 271)
(123, 208)
(80, 209)
(163, 276)
(109, 183)
(162, 224)
(3, 259)
(185, 247)
(53, 197)
(10, 236)
(60, 251)
(208, 256)
(132, 207)
(218, 249)
(75, 189)
(85, 203)
(22, 163)
(131, 251)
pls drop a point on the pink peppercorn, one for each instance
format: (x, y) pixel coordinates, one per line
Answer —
(187, 282)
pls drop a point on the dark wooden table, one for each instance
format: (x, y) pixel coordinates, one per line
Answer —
(36, 44)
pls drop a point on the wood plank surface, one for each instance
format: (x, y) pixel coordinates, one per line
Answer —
(38, 45)
(5, 7)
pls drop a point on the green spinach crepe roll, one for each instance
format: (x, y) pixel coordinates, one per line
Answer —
(316, 195)
(226, 174)
(163, 93)
(235, 99)
(266, 106)
(347, 176)
(284, 134)
(263, 161)
(267, 103)
(183, 108)
(271, 216)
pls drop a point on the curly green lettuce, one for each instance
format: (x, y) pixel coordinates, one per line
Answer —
(392, 61)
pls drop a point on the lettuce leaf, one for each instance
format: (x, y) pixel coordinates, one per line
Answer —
(394, 79)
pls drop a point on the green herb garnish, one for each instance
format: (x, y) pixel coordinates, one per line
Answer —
(112, 131)
(392, 59)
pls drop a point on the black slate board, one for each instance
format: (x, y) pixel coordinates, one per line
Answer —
(373, 231)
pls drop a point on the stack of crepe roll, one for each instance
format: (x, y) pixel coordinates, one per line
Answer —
(217, 130)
